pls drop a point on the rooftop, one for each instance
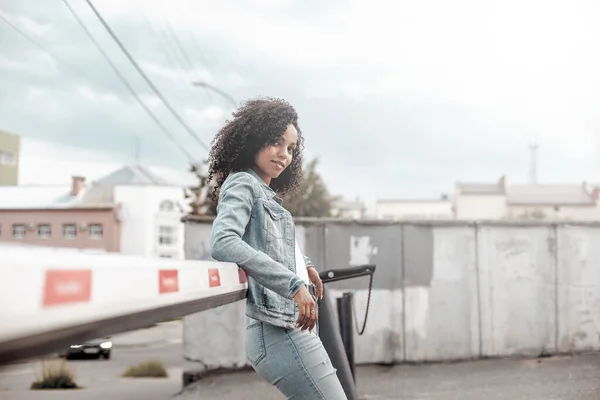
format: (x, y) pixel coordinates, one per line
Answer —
(549, 194)
(95, 194)
(136, 175)
(480, 188)
(35, 197)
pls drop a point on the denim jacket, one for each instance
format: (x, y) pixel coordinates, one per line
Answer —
(253, 230)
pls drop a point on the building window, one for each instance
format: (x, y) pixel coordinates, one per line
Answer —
(69, 231)
(44, 231)
(167, 206)
(8, 158)
(95, 231)
(19, 231)
(166, 235)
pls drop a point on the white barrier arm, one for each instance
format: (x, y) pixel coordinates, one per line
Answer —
(51, 298)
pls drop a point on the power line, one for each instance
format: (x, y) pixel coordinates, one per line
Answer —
(170, 59)
(51, 54)
(143, 75)
(173, 61)
(126, 83)
(207, 93)
(190, 66)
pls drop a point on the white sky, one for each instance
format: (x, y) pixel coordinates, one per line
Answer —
(395, 98)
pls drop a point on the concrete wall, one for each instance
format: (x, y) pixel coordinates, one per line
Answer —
(442, 291)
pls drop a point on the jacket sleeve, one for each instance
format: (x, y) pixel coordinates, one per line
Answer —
(308, 262)
(234, 209)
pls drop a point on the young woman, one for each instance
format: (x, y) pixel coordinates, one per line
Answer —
(256, 159)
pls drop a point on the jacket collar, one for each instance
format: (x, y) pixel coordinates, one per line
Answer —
(266, 188)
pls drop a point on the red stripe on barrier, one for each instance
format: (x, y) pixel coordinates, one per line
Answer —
(242, 274)
(168, 280)
(67, 286)
(214, 279)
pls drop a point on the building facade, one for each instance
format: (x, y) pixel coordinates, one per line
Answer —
(10, 147)
(131, 211)
(415, 209)
(82, 228)
(498, 201)
(348, 209)
(480, 201)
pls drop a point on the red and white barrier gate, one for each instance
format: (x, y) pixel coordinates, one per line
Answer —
(50, 297)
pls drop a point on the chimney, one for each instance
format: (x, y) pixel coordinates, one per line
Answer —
(502, 183)
(77, 184)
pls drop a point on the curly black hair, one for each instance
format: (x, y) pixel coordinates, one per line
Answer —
(257, 123)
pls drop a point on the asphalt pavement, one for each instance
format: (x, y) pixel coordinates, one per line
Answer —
(556, 378)
(101, 378)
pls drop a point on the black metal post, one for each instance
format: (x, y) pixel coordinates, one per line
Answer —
(344, 306)
(332, 341)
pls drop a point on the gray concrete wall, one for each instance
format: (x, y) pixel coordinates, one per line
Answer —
(443, 291)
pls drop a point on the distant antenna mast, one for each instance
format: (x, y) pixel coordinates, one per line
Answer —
(533, 148)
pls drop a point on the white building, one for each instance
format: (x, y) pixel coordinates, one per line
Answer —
(562, 202)
(519, 202)
(499, 201)
(348, 209)
(415, 209)
(151, 210)
(480, 201)
(132, 210)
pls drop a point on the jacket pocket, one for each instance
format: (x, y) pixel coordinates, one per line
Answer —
(274, 301)
(274, 226)
(255, 343)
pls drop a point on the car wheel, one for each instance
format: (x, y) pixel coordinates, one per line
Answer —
(106, 356)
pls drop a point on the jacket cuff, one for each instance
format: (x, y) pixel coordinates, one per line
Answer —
(295, 287)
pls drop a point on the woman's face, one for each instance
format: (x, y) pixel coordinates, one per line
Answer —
(273, 159)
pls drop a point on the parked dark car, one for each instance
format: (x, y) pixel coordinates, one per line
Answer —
(95, 348)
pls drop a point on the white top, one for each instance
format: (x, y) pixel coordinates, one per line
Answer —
(301, 270)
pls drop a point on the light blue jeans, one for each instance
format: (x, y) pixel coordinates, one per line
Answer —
(293, 361)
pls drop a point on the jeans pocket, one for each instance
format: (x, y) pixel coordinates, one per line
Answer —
(255, 343)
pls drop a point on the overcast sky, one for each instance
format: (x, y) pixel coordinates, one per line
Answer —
(396, 98)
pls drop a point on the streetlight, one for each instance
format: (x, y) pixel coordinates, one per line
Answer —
(217, 90)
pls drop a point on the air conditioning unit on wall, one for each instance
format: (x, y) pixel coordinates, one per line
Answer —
(83, 226)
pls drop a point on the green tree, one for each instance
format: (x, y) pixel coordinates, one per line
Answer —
(201, 203)
(312, 198)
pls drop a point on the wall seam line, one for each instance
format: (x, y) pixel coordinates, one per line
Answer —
(478, 283)
(403, 289)
(556, 290)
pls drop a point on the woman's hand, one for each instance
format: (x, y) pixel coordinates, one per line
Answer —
(307, 309)
(314, 277)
